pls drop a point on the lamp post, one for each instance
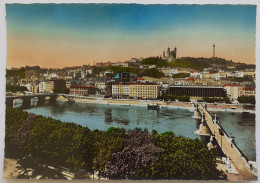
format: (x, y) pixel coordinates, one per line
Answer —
(221, 133)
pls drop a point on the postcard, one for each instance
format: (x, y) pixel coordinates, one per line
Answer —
(130, 91)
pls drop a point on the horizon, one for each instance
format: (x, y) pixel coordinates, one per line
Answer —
(65, 35)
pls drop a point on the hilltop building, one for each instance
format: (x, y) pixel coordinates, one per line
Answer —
(170, 55)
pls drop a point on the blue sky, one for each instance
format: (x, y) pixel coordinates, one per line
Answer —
(84, 33)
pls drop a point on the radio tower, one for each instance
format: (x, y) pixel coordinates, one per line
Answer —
(214, 50)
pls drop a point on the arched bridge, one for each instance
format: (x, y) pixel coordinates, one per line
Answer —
(27, 98)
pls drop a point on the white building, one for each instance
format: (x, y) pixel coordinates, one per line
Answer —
(42, 86)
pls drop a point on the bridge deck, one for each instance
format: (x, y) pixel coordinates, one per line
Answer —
(230, 152)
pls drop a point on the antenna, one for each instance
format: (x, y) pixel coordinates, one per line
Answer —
(213, 50)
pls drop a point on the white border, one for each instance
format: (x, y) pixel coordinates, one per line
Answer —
(3, 53)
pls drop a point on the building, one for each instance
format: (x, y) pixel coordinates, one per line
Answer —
(249, 72)
(82, 90)
(135, 90)
(144, 90)
(42, 86)
(122, 77)
(197, 91)
(53, 84)
(233, 91)
(170, 55)
(247, 91)
(120, 90)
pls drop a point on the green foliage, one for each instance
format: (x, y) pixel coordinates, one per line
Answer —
(15, 88)
(16, 73)
(242, 79)
(184, 98)
(182, 158)
(181, 75)
(217, 100)
(155, 61)
(136, 154)
(14, 119)
(60, 143)
(154, 73)
(107, 143)
(246, 99)
(61, 90)
(115, 69)
(190, 63)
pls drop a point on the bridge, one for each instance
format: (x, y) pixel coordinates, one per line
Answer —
(27, 98)
(226, 143)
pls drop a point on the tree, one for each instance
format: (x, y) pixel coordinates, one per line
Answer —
(246, 99)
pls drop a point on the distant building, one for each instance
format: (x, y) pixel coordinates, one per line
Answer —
(170, 55)
(144, 90)
(233, 91)
(135, 90)
(54, 83)
(42, 86)
(197, 91)
(247, 91)
(82, 90)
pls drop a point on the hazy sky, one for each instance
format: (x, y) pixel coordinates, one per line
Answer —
(58, 35)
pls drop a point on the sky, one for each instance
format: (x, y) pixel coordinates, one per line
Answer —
(59, 35)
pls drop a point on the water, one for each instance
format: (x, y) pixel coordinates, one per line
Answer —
(180, 121)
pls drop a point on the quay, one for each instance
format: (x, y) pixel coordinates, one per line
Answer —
(226, 143)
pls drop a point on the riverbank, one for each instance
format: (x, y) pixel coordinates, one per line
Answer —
(182, 105)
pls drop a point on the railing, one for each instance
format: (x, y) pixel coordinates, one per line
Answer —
(239, 152)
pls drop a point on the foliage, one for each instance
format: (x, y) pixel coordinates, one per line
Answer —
(184, 98)
(107, 143)
(16, 73)
(246, 99)
(115, 69)
(242, 79)
(61, 90)
(60, 143)
(218, 100)
(139, 153)
(180, 75)
(154, 73)
(114, 153)
(182, 158)
(14, 88)
(155, 61)
(191, 63)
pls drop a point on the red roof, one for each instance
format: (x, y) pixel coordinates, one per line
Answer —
(140, 78)
(193, 71)
(212, 72)
(248, 88)
(190, 78)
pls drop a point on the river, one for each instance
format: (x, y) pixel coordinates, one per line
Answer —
(180, 121)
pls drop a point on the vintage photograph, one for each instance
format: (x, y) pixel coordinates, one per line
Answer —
(130, 91)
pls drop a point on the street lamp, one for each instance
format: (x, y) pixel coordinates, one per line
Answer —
(221, 133)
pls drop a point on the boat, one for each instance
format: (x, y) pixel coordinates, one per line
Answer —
(153, 107)
(70, 100)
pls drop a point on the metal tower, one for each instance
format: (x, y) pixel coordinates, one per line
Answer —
(214, 50)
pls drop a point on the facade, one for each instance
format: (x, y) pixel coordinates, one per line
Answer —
(147, 90)
(197, 91)
(170, 55)
(135, 90)
(42, 86)
(233, 91)
(120, 90)
(82, 90)
(54, 83)
(247, 91)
